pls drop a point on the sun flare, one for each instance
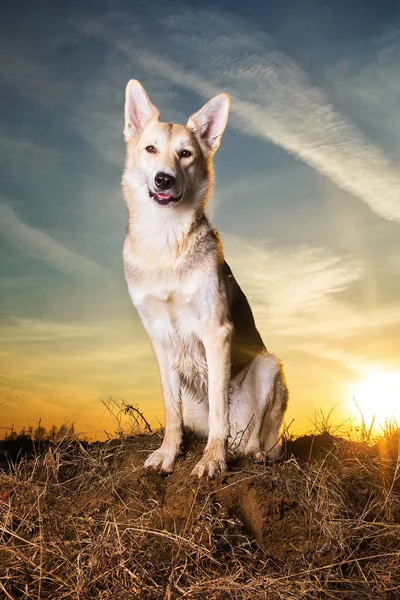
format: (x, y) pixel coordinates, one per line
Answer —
(377, 398)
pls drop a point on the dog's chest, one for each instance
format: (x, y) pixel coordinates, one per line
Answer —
(170, 307)
(174, 308)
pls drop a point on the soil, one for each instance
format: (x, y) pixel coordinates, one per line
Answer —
(251, 500)
(109, 529)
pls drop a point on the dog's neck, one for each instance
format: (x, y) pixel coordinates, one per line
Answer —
(162, 231)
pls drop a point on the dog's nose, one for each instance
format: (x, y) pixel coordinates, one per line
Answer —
(164, 181)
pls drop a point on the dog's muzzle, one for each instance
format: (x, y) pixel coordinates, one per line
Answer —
(163, 195)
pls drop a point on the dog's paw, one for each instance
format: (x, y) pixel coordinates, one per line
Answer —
(256, 455)
(212, 464)
(162, 460)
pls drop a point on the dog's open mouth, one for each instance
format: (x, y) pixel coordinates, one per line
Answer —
(164, 199)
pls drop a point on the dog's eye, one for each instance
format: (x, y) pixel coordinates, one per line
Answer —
(186, 153)
(150, 149)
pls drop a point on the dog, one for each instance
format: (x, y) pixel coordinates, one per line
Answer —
(217, 377)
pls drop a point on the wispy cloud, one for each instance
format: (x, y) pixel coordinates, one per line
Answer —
(273, 98)
(42, 246)
(298, 298)
(94, 100)
(24, 155)
(373, 92)
(299, 118)
(63, 366)
(289, 288)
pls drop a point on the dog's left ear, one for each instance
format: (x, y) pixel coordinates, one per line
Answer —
(139, 110)
(210, 121)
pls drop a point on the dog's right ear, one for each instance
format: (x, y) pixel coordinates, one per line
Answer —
(138, 109)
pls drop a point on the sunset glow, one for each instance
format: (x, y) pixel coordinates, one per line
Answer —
(377, 398)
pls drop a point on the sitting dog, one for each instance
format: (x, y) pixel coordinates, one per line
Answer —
(217, 377)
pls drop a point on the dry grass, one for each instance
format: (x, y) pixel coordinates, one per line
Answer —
(83, 523)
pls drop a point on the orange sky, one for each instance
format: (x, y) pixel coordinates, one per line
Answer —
(65, 380)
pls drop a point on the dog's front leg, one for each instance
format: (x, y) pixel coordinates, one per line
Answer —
(163, 459)
(217, 344)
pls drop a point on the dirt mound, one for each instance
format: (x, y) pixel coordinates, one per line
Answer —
(255, 498)
(86, 523)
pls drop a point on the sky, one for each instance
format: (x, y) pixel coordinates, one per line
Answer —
(307, 193)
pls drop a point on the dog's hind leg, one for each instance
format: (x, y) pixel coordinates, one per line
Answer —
(249, 399)
(258, 403)
(273, 417)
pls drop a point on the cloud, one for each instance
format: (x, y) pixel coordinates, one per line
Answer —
(93, 96)
(73, 364)
(272, 97)
(372, 93)
(289, 287)
(24, 155)
(298, 299)
(299, 119)
(40, 245)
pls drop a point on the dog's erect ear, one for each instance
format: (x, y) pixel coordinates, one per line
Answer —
(210, 121)
(138, 109)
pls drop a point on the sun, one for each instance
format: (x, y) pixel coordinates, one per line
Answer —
(377, 397)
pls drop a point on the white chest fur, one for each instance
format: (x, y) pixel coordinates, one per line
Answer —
(174, 316)
(171, 308)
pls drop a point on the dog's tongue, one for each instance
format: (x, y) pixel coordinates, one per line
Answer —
(163, 196)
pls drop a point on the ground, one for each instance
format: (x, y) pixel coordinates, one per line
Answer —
(83, 522)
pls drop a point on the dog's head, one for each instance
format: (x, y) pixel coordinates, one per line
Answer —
(168, 164)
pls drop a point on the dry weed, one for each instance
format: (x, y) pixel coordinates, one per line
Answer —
(83, 522)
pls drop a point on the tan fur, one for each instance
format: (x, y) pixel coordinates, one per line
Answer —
(217, 376)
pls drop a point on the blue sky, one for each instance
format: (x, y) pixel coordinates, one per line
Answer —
(307, 194)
